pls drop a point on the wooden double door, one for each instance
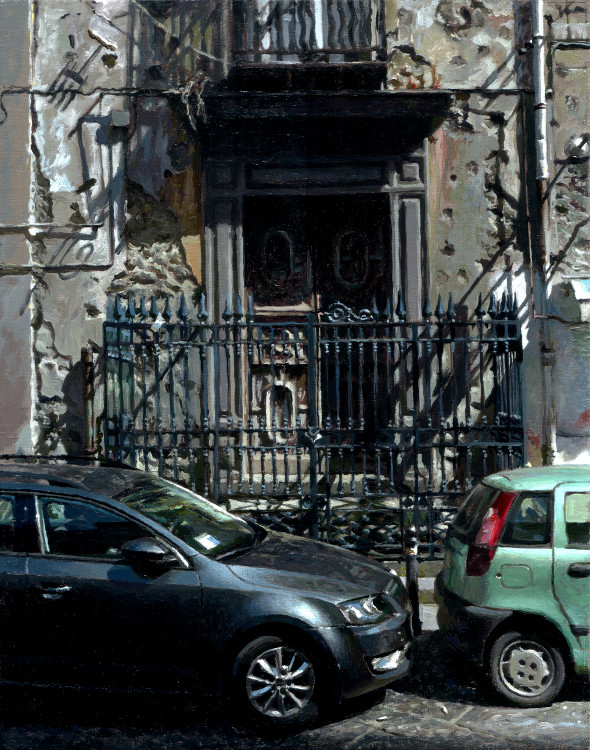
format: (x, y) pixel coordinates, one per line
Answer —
(316, 250)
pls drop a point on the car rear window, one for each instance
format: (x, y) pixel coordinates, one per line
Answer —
(469, 516)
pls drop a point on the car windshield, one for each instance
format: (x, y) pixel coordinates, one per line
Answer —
(206, 527)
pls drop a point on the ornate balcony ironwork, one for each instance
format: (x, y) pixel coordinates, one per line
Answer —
(309, 31)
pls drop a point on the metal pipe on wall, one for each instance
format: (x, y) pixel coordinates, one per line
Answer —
(540, 104)
(548, 416)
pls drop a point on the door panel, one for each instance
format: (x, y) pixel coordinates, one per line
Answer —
(571, 565)
(18, 537)
(352, 241)
(278, 250)
(97, 620)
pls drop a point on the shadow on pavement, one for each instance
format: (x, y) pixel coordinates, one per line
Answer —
(76, 719)
(440, 673)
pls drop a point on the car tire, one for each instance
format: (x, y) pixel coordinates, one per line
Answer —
(526, 669)
(275, 684)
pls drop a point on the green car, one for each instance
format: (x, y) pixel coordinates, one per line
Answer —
(514, 591)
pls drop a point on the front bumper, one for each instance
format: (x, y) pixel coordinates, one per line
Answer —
(466, 626)
(369, 657)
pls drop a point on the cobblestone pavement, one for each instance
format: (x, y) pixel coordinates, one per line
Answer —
(442, 704)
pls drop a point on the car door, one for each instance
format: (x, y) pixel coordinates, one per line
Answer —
(571, 558)
(17, 539)
(519, 577)
(98, 620)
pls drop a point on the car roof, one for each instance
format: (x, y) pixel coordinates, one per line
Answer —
(106, 478)
(539, 478)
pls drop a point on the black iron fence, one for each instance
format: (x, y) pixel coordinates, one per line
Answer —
(347, 427)
(309, 30)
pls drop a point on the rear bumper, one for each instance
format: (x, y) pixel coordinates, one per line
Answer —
(466, 626)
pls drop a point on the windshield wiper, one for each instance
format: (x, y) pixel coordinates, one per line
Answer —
(237, 550)
(259, 534)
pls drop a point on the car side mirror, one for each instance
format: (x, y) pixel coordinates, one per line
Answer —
(148, 556)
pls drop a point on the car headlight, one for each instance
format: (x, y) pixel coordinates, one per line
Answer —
(396, 587)
(365, 611)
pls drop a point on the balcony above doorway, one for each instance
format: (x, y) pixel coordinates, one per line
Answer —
(305, 44)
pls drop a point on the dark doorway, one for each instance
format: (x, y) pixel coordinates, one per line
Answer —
(318, 250)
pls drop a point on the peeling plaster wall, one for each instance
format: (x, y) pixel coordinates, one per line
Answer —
(118, 176)
(569, 251)
(105, 172)
(15, 163)
(476, 210)
(454, 45)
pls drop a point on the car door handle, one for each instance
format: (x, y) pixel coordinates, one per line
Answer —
(579, 570)
(53, 591)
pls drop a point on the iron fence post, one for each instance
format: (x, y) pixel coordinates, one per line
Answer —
(313, 433)
(411, 545)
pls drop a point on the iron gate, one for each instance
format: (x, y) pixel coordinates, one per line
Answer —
(348, 427)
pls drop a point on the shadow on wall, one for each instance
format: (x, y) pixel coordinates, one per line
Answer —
(569, 341)
(72, 425)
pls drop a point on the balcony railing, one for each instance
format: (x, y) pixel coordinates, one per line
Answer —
(309, 31)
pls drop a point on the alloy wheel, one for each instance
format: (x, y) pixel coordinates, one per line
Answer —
(280, 682)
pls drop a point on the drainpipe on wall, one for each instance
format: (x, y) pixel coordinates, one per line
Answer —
(541, 181)
(542, 171)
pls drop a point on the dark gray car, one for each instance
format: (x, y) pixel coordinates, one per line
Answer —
(120, 579)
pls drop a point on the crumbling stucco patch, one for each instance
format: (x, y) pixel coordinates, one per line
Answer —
(160, 267)
(467, 44)
(408, 70)
(51, 368)
(456, 17)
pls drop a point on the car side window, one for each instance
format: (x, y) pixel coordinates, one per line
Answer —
(529, 520)
(17, 530)
(7, 523)
(80, 529)
(577, 518)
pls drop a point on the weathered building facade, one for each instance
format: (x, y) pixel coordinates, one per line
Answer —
(300, 153)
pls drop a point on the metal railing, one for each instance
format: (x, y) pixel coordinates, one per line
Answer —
(347, 426)
(286, 31)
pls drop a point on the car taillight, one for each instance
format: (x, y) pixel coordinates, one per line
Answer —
(483, 549)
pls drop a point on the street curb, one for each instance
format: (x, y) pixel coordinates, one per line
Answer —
(426, 568)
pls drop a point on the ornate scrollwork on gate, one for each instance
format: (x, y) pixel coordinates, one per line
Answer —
(339, 313)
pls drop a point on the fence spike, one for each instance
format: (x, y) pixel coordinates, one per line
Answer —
(514, 305)
(142, 307)
(119, 309)
(131, 313)
(182, 308)
(375, 308)
(167, 314)
(250, 313)
(154, 312)
(239, 311)
(492, 308)
(227, 313)
(503, 305)
(479, 311)
(426, 311)
(387, 311)
(401, 308)
(451, 313)
(440, 311)
(203, 314)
